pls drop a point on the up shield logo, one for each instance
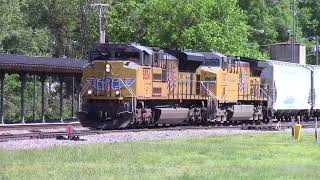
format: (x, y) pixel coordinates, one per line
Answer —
(109, 82)
(118, 84)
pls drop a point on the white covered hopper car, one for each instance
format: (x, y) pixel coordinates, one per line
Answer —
(293, 89)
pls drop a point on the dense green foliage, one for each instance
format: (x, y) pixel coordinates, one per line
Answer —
(69, 28)
(12, 99)
(250, 156)
(61, 28)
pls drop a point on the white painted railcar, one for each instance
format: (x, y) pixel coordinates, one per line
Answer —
(288, 86)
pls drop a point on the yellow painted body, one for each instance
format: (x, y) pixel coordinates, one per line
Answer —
(169, 83)
(228, 86)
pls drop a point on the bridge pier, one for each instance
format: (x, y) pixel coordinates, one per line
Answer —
(34, 98)
(61, 98)
(42, 80)
(78, 79)
(22, 107)
(72, 98)
(2, 76)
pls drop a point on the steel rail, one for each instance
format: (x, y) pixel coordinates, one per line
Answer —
(27, 126)
(47, 135)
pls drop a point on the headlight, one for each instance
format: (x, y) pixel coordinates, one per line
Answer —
(108, 68)
(90, 92)
(117, 92)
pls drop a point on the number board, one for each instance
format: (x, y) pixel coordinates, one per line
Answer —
(146, 74)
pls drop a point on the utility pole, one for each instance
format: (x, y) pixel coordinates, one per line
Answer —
(102, 21)
(293, 31)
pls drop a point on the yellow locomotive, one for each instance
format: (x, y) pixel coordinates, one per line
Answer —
(129, 85)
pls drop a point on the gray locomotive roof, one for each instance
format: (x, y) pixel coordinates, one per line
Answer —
(213, 55)
(194, 56)
(169, 57)
(193, 53)
(143, 48)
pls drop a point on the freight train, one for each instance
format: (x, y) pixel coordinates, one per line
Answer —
(129, 86)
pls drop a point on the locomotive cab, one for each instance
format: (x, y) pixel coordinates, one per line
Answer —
(110, 84)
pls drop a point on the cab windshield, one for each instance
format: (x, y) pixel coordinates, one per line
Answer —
(127, 56)
(211, 62)
(115, 55)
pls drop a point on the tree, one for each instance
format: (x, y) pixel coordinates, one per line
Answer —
(124, 21)
(85, 33)
(309, 16)
(197, 24)
(11, 18)
(309, 19)
(57, 17)
(272, 17)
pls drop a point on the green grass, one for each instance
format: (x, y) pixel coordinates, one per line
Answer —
(251, 156)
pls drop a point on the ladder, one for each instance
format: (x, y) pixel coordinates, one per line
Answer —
(270, 99)
(212, 99)
(84, 90)
(133, 98)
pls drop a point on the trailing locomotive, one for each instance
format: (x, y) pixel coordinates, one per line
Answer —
(128, 85)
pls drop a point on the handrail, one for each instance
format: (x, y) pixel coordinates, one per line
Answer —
(133, 97)
(207, 89)
(211, 95)
(266, 94)
(84, 89)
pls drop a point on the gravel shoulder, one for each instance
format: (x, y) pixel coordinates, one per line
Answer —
(121, 137)
(129, 136)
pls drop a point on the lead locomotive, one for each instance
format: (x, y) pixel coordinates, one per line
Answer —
(128, 85)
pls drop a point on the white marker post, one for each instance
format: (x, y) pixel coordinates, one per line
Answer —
(292, 128)
(316, 128)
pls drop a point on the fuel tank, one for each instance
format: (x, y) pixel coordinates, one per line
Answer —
(171, 115)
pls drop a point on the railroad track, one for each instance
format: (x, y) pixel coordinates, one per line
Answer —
(278, 126)
(28, 126)
(43, 135)
(47, 135)
(38, 134)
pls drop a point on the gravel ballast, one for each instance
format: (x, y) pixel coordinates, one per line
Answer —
(121, 137)
(129, 136)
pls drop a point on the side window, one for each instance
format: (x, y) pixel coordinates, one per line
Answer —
(155, 62)
(224, 63)
(234, 66)
(198, 84)
(146, 59)
(237, 66)
(230, 66)
(164, 75)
